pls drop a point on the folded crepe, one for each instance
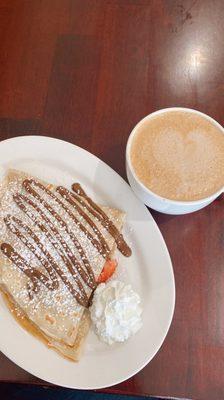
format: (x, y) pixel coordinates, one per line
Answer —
(54, 244)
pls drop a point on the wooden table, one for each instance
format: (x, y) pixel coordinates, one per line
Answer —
(86, 71)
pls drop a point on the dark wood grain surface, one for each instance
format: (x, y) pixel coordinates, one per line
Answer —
(86, 71)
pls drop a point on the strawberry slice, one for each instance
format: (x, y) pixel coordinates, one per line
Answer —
(108, 270)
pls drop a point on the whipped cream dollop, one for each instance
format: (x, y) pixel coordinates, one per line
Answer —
(115, 311)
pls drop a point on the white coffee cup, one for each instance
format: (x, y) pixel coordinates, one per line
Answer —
(150, 198)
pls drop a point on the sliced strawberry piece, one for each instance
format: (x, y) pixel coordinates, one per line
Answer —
(108, 270)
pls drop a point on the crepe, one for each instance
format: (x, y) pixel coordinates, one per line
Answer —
(43, 303)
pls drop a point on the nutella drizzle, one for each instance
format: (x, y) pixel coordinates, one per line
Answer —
(99, 214)
(11, 222)
(32, 273)
(49, 265)
(25, 234)
(27, 184)
(20, 200)
(50, 261)
(66, 195)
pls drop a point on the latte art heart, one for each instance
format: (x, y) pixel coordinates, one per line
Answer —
(179, 155)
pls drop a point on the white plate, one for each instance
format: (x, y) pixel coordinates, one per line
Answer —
(149, 270)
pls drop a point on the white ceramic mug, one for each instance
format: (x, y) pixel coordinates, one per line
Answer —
(153, 200)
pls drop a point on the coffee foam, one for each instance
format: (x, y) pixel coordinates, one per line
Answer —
(179, 155)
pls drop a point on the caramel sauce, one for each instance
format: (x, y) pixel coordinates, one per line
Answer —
(26, 324)
(22, 320)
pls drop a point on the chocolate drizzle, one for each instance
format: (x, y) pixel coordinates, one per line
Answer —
(32, 273)
(50, 265)
(99, 214)
(66, 195)
(28, 187)
(57, 240)
(11, 223)
(37, 208)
